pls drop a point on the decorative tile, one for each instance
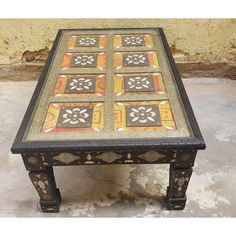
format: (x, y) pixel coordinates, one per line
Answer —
(93, 41)
(79, 85)
(138, 84)
(84, 61)
(87, 41)
(142, 116)
(139, 59)
(133, 40)
(142, 83)
(135, 59)
(74, 117)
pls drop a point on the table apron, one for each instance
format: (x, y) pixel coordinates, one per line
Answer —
(39, 161)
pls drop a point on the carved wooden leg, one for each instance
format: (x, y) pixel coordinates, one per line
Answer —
(178, 183)
(44, 182)
(180, 173)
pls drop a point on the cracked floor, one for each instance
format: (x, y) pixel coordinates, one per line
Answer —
(129, 190)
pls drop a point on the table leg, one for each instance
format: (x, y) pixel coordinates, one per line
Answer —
(44, 182)
(178, 183)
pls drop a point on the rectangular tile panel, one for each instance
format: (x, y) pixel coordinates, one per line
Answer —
(133, 40)
(140, 60)
(138, 84)
(84, 61)
(143, 116)
(87, 41)
(79, 85)
(74, 117)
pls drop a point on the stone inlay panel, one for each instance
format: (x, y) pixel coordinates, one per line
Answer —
(141, 83)
(128, 41)
(145, 115)
(89, 41)
(141, 60)
(75, 117)
(81, 85)
(84, 60)
(133, 41)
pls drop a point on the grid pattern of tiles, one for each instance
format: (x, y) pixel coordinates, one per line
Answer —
(109, 82)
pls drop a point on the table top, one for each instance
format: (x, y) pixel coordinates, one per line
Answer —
(109, 88)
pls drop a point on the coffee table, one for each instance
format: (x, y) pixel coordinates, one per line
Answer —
(109, 96)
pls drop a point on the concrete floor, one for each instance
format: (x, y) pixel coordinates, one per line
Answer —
(129, 190)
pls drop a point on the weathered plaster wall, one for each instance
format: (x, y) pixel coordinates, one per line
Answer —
(191, 40)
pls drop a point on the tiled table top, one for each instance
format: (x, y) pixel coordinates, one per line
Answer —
(108, 84)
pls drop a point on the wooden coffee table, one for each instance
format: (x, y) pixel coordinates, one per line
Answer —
(109, 96)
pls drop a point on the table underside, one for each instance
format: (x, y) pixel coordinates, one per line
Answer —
(108, 84)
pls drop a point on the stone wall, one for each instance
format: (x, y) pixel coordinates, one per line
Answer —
(204, 47)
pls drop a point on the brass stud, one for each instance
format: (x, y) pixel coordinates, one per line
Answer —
(89, 157)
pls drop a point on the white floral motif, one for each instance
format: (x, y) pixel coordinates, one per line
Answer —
(74, 116)
(84, 60)
(136, 59)
(142, 114)
(133, 40)
(138, 82)
(81, 84)
(87, 41)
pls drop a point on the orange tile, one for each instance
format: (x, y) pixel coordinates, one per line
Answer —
(53, 114)
(84, 61)
(167, 119)
(133, 40)
(78, 41)
(135, 60)
(157, 79)
(63, 81)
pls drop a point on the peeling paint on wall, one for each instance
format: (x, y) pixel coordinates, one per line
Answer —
(192, 40)
(27, 42)
(39, 56)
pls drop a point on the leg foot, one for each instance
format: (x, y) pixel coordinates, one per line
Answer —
(44, 183)
(51, 206)
(175, 203)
